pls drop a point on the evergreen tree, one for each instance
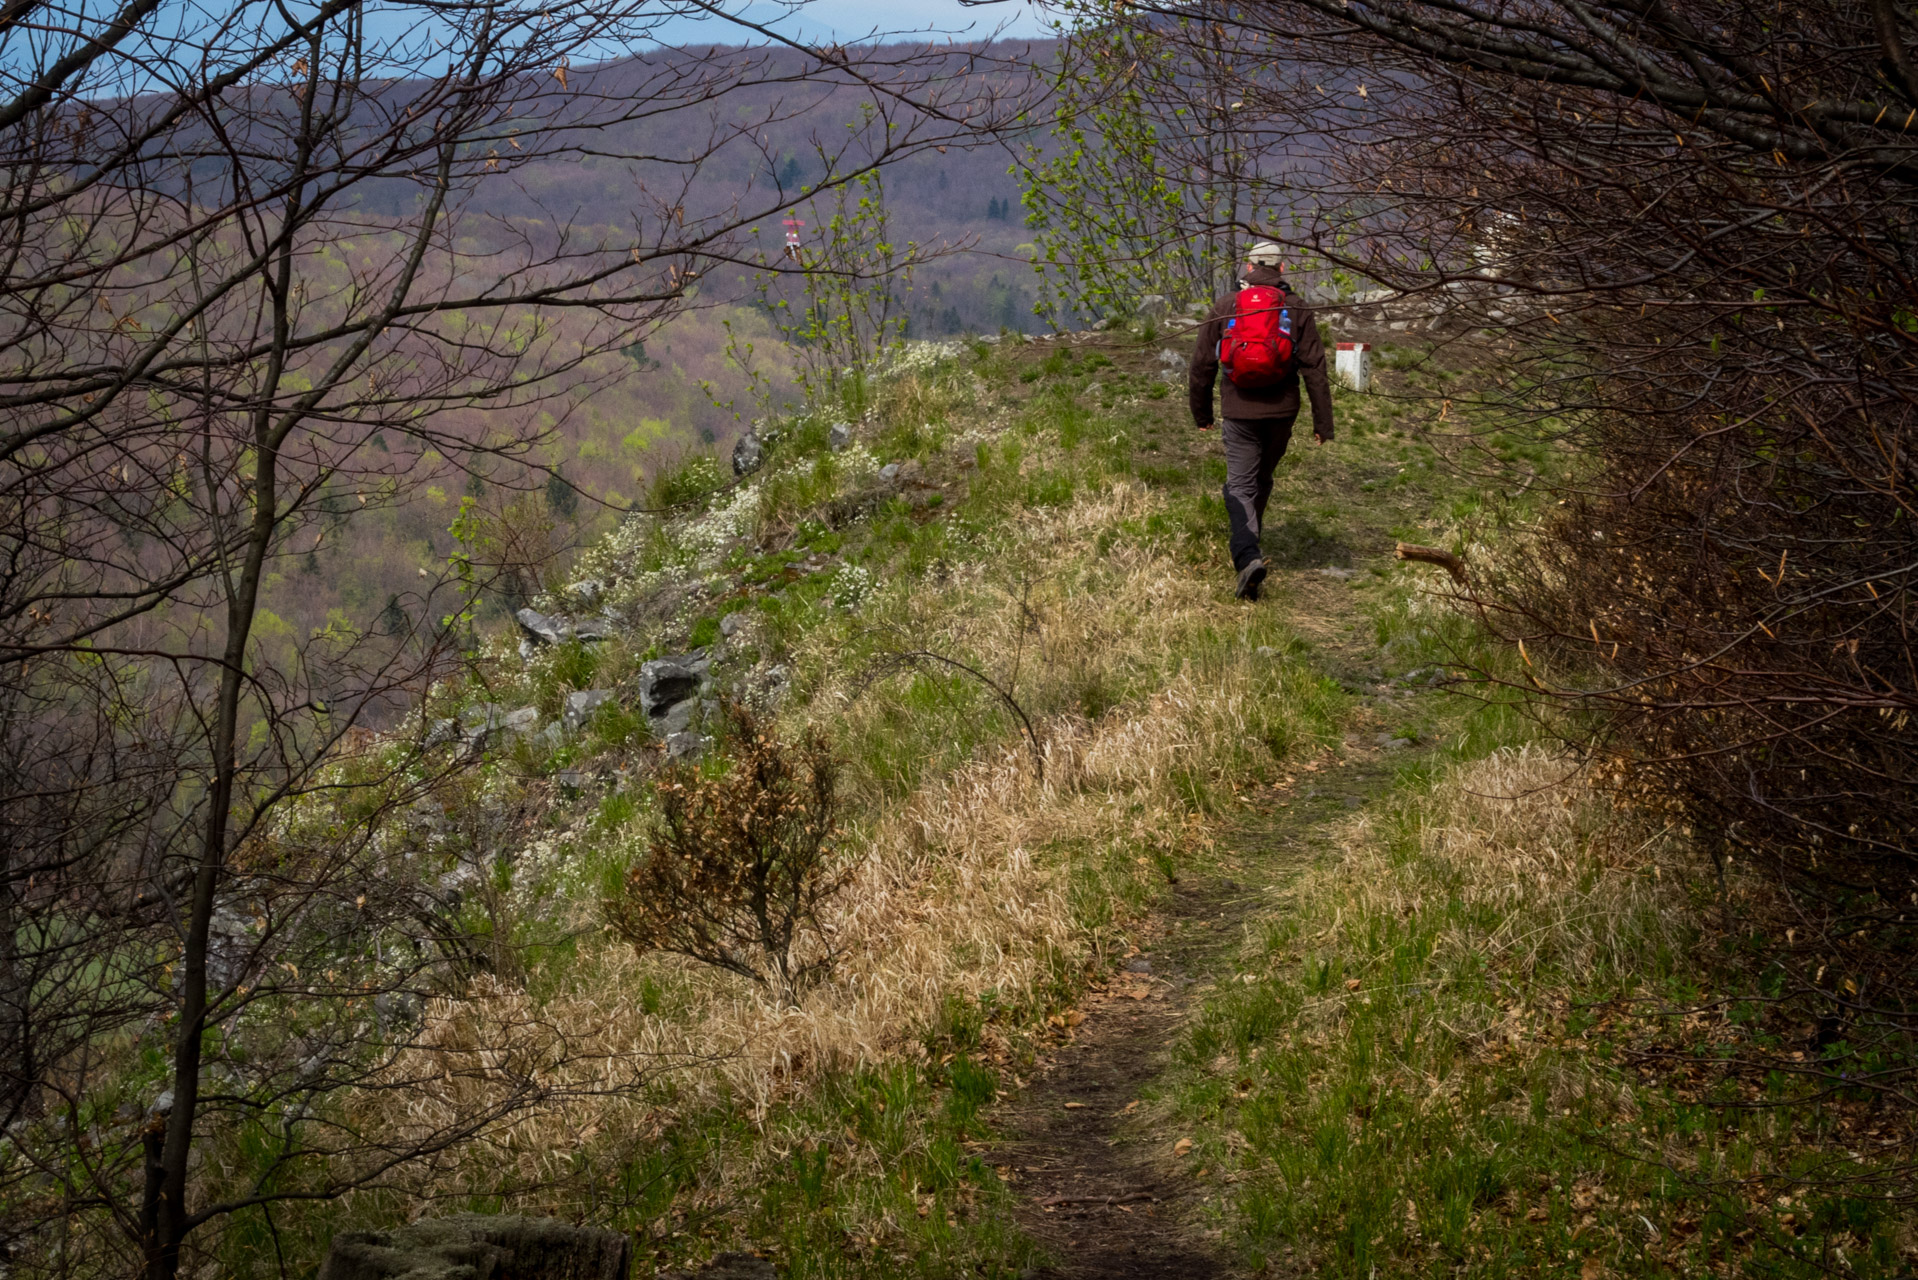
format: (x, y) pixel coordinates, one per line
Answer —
(561, 498)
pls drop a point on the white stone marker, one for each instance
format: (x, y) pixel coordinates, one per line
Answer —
(1354, 365)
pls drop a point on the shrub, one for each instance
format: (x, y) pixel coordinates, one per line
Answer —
(683, 485)
(741, 862)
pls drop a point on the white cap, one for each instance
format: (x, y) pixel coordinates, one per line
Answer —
(1265, 253)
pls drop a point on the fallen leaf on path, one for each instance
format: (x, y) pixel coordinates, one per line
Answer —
(1074, 1017)
(1075, 1106)
(1351, 984)
(1130, 1107)
(1182, 1146)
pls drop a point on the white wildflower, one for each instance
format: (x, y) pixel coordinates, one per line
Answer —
(851, 586)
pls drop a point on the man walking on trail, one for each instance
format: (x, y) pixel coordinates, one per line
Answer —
(1265, 340)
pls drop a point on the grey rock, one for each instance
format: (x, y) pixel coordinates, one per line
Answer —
(664, 683)
(541, 628)
(729, 626)
(1139, 965)
(486, 720)
(527, 649)
(1152, 308)
(570, 779)
(839, 437)
(442, 732)
(678, 718)
(473, 1246)
(587, 591)
(889, 473)
(593, 629)
(580, 706)
(749, 454)
(1170, 358)
(684, 744)
(728, 1266)
(229, 948)
(1400, 744)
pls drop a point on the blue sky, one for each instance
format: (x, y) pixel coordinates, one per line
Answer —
(857, 19)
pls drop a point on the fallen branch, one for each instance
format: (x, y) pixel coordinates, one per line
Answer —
(1433, 555)
(918, 658)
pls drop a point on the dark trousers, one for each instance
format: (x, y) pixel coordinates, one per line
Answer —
(1252, 451)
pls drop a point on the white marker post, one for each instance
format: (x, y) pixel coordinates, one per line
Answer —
(1354, 365)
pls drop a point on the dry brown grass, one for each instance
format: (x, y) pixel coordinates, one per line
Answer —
(1513, 866)
(965, 887)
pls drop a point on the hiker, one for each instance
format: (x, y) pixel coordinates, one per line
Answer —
(1269, 341)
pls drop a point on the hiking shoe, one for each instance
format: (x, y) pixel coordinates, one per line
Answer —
(1249, 579)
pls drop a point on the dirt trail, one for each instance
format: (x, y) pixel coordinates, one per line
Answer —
(1099, 1179)
(1095, 1168)
(1096, 1185)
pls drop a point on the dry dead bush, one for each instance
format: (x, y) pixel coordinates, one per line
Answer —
(742, 862)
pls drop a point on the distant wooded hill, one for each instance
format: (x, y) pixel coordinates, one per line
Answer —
(675, 392)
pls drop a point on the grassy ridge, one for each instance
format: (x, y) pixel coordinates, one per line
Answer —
(1438, 1046)
(1054, 531)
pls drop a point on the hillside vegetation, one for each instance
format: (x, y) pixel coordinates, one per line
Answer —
(1449, 1029)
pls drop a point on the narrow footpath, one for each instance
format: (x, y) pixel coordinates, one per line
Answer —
(1089, 1144)
(1094, 1160)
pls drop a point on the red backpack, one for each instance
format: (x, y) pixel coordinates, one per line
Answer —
(1256, 348)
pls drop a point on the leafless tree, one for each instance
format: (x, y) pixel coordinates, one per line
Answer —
(252, 265)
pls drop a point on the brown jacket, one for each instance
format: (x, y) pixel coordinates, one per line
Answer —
(1262, 404)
